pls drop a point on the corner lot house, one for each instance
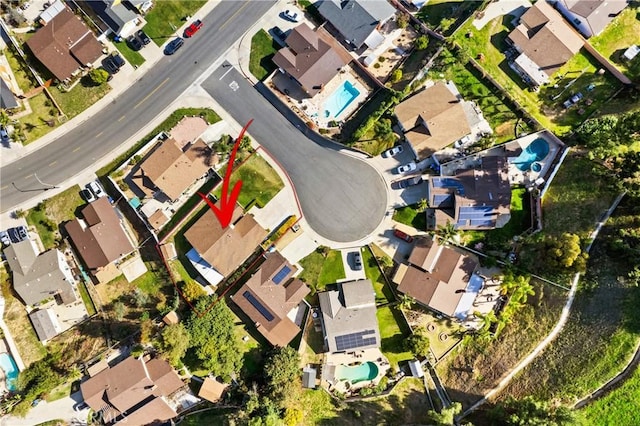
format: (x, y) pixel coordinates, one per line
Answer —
(590, 17)
(349, 317)
(544, 42)
(311, 61)
(271, 298)
(440, 277)
(135, 392)
(64, 45)
(217, 252)
(100, 239)
(357, 21)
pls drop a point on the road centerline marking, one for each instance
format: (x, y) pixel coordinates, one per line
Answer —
(121, 118)
(151, 93)
(99, 134)
(233, 16)
(52, 163)
(77, 149)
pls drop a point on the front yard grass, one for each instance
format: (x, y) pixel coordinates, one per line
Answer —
(82, 96)
(373, 273)
(318, 270)
(47, 216)
(408, 215)
(373, 145)
(393, 332)
(167, 15)
(134, 58)
(263, 47)
(35, 124)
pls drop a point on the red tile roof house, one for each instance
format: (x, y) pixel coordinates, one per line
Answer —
(100, 239)
(64, 45)
(133, 392)
(270, 297)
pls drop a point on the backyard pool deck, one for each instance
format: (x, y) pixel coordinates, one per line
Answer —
(333, 361)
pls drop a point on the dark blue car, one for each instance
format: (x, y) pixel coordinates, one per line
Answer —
(173, 46)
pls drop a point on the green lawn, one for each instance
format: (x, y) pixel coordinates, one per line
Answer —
(520, 220)
(168, 13)
(411, 217)
(393, 331)
(619, 407)
(82, 96)
(84, 294)
(263, 47)
(383, 292)
(260, 182)
(35, 124)
(442, 14)
(319, 271)
(133, 57)
(374, 146)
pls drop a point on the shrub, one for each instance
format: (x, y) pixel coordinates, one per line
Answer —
(403, 20)
(99, 76)
(376, 65)
(396, 76)
(422, 42)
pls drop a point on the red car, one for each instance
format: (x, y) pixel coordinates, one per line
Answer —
(398, 233)
(193, 28)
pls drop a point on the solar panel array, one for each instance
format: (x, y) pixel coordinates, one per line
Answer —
(277, 279)
(259, 306)
(440, 199)
(444, 182)
(355, 340)
(475, 212)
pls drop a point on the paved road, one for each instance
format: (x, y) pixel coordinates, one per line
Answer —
(342, 197)
(79, 148)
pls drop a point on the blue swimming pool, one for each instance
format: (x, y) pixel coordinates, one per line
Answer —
(8, 365)
(340, 99)
(360, 373)
(536, 151)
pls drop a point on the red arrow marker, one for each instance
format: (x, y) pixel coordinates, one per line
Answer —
(224, 213)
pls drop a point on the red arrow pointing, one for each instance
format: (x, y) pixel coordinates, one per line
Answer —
(227, 202)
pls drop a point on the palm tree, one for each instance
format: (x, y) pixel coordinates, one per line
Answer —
(423, 205)
(447, 232)
(405, 302)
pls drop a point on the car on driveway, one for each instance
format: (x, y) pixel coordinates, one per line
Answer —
(407, 167)
(117, 59)
(399, 234)
(109, 64)
(357, 260)
(291, 16)
(96, 188)
(144, 38)
(4, 135)
(4, 238)
(277, 32)
(87, 195)
(18, 234)
(134, 43)
(193, 28)
(405, 183)
(173, 46)
(393, 151)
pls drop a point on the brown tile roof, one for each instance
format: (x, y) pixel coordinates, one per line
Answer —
(158, 219)
(187, 130)
(545, 37)
(100, 238)
(211, 390)
(64, 44)
(225, 249)
(432, 119)
(437, 275)
(173, 170)
(278, 298)
(309, 59)
(153, 412)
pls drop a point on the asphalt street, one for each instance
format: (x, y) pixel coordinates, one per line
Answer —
(342, 197)
(76, 150)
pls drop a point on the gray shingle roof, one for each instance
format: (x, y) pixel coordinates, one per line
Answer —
(45, 323)
(7, 100)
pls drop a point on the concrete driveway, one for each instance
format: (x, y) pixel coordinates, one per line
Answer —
(45, 411)
(348, 260)
(501, 8)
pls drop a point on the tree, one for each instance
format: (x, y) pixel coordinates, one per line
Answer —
(192, 291)
(383, 131)
(120, 310)
(447, 232)
(99, 76)
(564, 252)
(174, 342)
(293, 416)
(402, 20)
(422, 42)
(423, 205)
(282, 373)
(446, 416)
(212, 337)
(418, 343)
(385, 261)
(529, 411)
(406, 302)
(140, 298)
(396, 75)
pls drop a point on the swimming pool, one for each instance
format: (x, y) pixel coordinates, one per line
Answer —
(10, 369)
(340, 99)
(536, 151)
(360, 373)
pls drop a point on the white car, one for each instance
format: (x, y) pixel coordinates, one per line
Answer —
(290, 15)
(96, 188)
(407, 167)
(393, 151)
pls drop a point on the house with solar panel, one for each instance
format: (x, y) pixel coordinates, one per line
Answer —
(274, 300)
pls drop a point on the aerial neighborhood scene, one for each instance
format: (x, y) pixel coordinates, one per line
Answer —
(349, 212)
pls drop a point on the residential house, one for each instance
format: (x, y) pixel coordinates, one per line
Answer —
(590, 17)
(544, 42)
(349, 319)
(432, 119)
(217, 251)
(7, 99)
(100, 239)
(120, 16)
(45, 322)
(51, 11)
(439, 277)
(271, 298)
(309, 59)
(357, 21)
(478, 197)
(171, 169)
(64, 45)
(142, 6)
(135, 391)
(212, 390)
(37, 277)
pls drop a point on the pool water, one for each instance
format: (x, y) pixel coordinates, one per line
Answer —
(360, 373)
(536, 151)
(340, 99)
(8, 365)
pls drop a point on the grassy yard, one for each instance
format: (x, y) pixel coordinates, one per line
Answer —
(417, 316)
(47, 216)
(318, 270)
(263, 47)
(168, 13)
(84, 294)
(372, 272)
(411, 217)
(373, 145)
(15, 316)
(22, 74)
(620, 406)
(441, 15)
(260, 182)
(393, 331)
(82, 96)
(134, 58)
(35, 124)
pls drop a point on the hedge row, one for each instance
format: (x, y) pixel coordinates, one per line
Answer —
(393, 98)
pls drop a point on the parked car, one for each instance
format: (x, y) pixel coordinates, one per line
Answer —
(405, 183)
(279, 33)
(193, 28)
(357, 260)
(4, 238)
(173, 46)
(393, 151)
(407, 167)
(134, 43)
(96, 188)
(18, 234)
(87, 195)
(144, 38)
(399, 234)
(4, 135)
(290, 15)
(109, 64)
(117, 60)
